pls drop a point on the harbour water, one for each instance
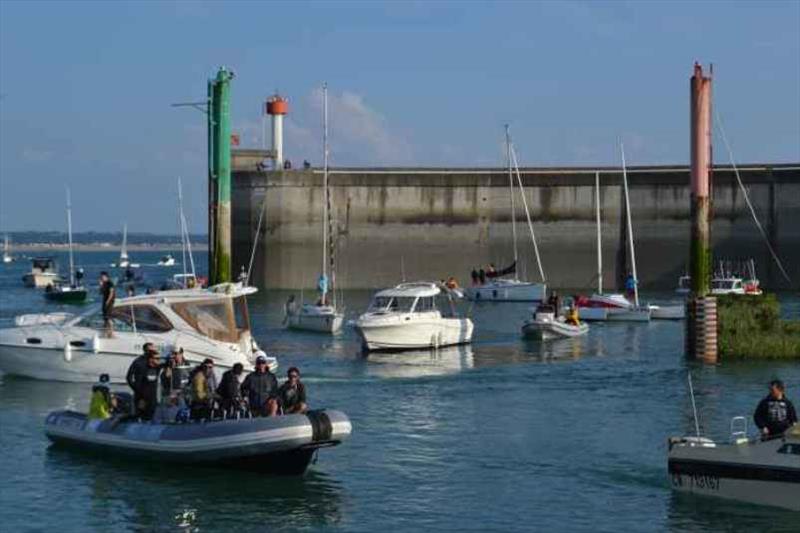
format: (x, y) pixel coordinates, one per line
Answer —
(505, 434)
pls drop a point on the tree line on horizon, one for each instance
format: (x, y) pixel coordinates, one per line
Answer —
(97, 237)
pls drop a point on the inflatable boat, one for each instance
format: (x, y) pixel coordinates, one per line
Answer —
(545, 325)
(280, 444)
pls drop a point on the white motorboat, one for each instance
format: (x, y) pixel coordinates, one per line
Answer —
(667, 312)
(326, 316)
(545, 325)
(212, 323)
(44, 272)
(7, 257)
(764, 472)
(166, 261)
(407, 317)
(500, 289)
(124, 260)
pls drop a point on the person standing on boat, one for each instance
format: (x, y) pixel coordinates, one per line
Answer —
(292, 393)
(775, 413)
(261, 388)
(137, 368)
(175, 377)
(147, 386)
(630, 286)
(322, 287)
(108, 294)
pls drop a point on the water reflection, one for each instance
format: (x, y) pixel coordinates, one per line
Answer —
(193, 498)
(690, 512)
(420, 363)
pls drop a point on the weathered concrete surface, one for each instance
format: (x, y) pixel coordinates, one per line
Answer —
(432, 223)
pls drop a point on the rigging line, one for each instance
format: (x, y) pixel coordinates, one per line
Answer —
(747, 199)
(255, 240)
(528, 215)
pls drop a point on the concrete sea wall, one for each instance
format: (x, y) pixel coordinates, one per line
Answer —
(432, 223)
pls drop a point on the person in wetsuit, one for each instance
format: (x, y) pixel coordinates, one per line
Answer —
(292, 393)
(137, 368)
(261, 389)
(146, 386)
(775, 413)
(230, 389)
(175, 378)
(108, 294)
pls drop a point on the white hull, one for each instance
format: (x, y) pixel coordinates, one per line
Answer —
(641, 314)
(40, 281)
(420, 333)
(7, 259)
(169, 263)
(326, 320)
(507, 291)
(667, 312)
(545, 329)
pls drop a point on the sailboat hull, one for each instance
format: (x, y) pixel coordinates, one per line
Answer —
(325, 320)
(507, 291)
(68, 296)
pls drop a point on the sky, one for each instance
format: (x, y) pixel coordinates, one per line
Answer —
(86, 88)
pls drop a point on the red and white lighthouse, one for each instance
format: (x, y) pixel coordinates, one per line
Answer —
(277, 106)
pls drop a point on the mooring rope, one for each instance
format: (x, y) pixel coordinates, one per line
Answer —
(747, 199)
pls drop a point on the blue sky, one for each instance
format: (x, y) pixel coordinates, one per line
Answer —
(85, 89)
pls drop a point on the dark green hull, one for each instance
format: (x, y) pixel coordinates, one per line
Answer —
(75, 296)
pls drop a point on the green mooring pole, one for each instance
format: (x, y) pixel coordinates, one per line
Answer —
(220, 174)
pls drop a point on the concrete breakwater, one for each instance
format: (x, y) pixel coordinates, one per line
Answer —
(421, 223)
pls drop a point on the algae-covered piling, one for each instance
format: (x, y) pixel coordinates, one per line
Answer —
(751, 327)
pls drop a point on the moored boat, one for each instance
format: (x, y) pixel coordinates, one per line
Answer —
(545, 325)
(166, 260)
(765, 472)
(74, 292)
(407, 317)
(44, 272)
(211, 323)
(280, 444)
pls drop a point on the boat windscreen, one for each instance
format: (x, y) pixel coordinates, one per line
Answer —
(213, 318)
(391, 304)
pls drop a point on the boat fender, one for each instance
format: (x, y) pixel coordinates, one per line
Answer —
(321, 427)
(95, 344)
(67, 352)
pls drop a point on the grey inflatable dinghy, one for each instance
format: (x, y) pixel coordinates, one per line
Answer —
(280, 444)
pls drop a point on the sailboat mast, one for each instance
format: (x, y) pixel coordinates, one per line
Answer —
(325, 179)
(513, 208)
(599, 235)
(123, 254)
(528, 216)
(69, 236)
(630, 227)
(181, 228)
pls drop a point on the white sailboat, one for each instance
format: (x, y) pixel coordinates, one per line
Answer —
(124, 260)
(613, 307)
(74, 292)
(325, 315)
(7, 257)
(500, 289)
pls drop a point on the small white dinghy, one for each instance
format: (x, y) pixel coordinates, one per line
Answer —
(545, 325)
(667, 312)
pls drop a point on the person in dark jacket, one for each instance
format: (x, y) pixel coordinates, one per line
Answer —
(775, 413)
(261, 389)
(292, 393)
(137, 368)
(108, 294)
(230, 389)
(147, 387)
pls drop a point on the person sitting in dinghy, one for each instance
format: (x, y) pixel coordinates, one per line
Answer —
(103, 402)
(230, 390)
(260, 387)
(572, 316)
(775, 413)
(203, 387)
(146, 386)
(175, 377)
(292, 393)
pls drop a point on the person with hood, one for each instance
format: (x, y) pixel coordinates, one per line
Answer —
(261, 389)
(775, 413)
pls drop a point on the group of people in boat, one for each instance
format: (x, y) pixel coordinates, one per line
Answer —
(553, 305)
(174, 391)
(480, 276)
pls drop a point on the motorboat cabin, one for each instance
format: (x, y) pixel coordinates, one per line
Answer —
(44, 272)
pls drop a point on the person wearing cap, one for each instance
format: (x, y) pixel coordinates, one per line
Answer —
(260, 387)
(292, 393)
(230, 390)
(102, 402)
(175, 377)
(146, 386)
(775, 413)
(137, 368)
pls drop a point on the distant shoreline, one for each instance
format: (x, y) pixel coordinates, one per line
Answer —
(52, 247)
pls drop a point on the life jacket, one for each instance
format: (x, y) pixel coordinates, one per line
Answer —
(100, 404)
